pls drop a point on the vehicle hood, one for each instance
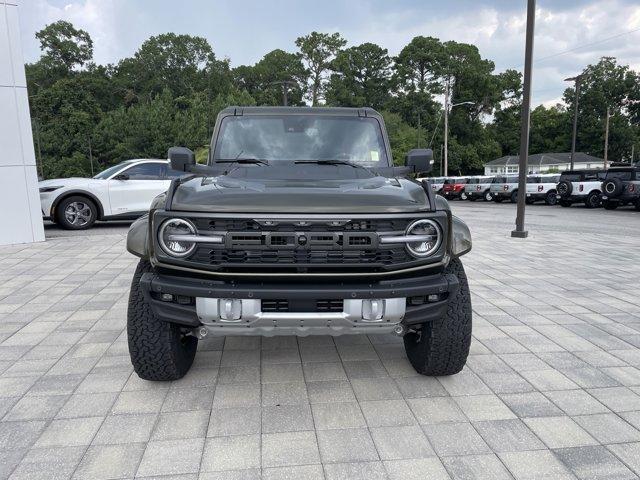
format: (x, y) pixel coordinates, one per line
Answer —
(375, 194)
(66, 182)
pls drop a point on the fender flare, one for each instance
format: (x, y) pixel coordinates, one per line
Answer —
(70, 193)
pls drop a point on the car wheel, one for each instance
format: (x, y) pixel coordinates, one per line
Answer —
(441, 346)
(609, 205)
(76, 213)
(159, 350)
(565, 203)
(593, 200)
(463, 196)
(551, 198)
(487, 196)
(637, 204)
(514, 196)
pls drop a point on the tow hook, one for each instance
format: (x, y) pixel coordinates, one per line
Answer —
(199, 332)
(399, 330)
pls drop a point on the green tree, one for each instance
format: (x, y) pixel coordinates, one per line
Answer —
(64, 45)
(402, 137)
(361, 78)
(317, 51)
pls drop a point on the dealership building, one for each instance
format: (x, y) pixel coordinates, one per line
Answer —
(542, 162)
(20, 214)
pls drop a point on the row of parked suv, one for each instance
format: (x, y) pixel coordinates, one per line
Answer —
(611, 188)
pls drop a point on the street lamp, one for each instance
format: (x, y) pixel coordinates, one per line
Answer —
(577, 80)
(448, 106)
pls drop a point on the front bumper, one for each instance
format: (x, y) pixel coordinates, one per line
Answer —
(452, 195)
(536, 195)
(501, 194)
(195, 302)
(572, 198)
(622, 199)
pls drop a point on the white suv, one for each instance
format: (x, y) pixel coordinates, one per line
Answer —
(121, 192)
(436, 183)
(580, 186)
(542, 187)
(505, 187)
(479, 187)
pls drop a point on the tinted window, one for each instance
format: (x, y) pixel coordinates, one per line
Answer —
(499, 180)
(145, 171)
(570, 177)
(111, 170)
(512, 179)
(622, 175)
(473, 181)
(533, 180)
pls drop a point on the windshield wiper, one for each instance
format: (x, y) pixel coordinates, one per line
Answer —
(250, 161)
(332, 162)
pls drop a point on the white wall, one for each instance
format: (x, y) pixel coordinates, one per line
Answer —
(20, 214)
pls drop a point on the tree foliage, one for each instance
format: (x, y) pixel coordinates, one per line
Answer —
(87, 116)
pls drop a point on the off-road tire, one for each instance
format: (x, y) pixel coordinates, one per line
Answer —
(514, 196)
(441, 347)
(551, 198)
(565, 203)
(463, 196)
(593, 200)
(609, 205)
(61, 219)
(159, 350)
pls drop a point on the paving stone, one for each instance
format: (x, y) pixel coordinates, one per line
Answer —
(322, 372)
(234, 421)
(508, 436)
(479, 408)
(436, 410)
(294, 393)
(177, 425)
(416, 469)
(308, 472)
(286, 418)
(559, 432)
(125, 429)
(289, 448)
(536, 465)
(52, 463)
(69, 432)
(144, 401)
(330, 392)
(531, 404)
(110, 461)
(199, 398)
(594, 462)
(476, 467)
(20, 435)
(387, 413)
(349, 445)
(455, 439)
(36, 408)
(237, 395)
(629, 453)
(608, 428)
(171, 457)
(231, 453)
(355, 471)
(327, 416)
(87, 405)
(393, 443)
(368, 389)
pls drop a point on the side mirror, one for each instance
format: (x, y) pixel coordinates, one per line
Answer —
(420, 159)
(181, 158)
(121, 176)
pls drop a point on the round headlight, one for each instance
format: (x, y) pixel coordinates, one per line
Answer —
(430, 241)
(169, 237)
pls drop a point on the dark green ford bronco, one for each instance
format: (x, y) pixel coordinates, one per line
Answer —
(299, 224)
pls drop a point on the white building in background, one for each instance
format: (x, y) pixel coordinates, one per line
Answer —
(20, 215)
(542, 162)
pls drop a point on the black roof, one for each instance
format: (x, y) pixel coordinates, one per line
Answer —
(341, 111)
(546, 159)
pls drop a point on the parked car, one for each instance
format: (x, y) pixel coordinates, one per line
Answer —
(263, 243)
(454, 188)
(436, 183)
(121, 192)
(580, 186)
(479, 187)
(542, 187)
(505, 188)
(621, 186)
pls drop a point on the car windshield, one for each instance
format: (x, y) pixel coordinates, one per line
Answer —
(301, 138)
(621, 174)
(103, 175)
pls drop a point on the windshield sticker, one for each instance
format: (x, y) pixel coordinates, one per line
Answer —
(375, 156)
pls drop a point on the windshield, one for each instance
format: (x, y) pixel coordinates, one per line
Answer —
(301, 137)
(103, 175)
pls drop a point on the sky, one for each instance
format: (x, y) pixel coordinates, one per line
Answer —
(244, 30)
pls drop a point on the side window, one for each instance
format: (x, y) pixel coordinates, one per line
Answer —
(145, 171)
(171, 173)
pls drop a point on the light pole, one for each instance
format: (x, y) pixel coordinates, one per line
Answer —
(520, 232)
(606, 140)
(577, 80)
(447, 107)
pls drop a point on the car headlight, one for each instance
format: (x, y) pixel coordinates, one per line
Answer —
(173, 237)
(49, 189)
(430, 238)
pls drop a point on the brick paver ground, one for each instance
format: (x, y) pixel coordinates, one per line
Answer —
(551, 390)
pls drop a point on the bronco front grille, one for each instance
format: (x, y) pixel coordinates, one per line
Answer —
(312, 244)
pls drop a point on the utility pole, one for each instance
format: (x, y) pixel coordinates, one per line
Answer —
(446, 127)
(575, 79)
(520, 232)
(606, 140)
(419, 129)
(90, 155)
(633, 148)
